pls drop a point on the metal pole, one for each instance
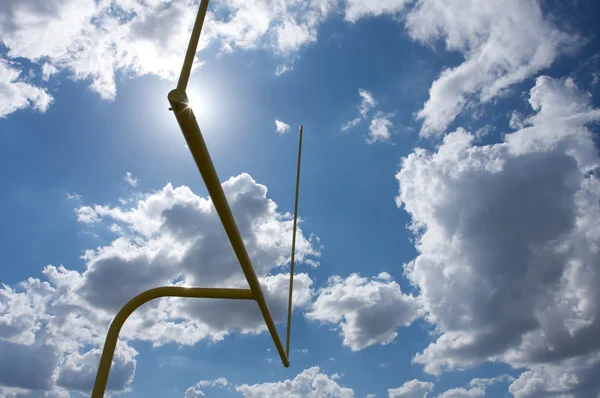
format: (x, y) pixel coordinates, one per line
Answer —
(289, 320)
(193, 136)
(191, 131)
(188, 61)
(171, 291)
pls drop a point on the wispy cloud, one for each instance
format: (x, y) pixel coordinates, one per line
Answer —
(367, 103)
(281, 127)
(130, 179)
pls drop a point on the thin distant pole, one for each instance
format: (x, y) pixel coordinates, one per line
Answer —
(192, 46)
(289, 320)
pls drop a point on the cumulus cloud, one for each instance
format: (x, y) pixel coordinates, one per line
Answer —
(477, 388)
(93, 41)
(281, 127)
(311, 382)
(291, 35)
(178, 236)
(17, 94)
(281, 26)
(27, 365)
(196, 392)
(366, 311)
(78, 372)
(357, 9)
(379, 129)
(46, 332)
(169, 236)
(367, 102)
(508, 239)
(411, 389)
(503, 43)
(575, 377)
(48, 70)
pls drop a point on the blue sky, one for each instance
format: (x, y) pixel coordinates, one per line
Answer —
(449, 196)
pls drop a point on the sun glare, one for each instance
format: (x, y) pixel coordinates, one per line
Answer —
(199, 101)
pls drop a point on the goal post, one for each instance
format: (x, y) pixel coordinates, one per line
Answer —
(191, 131)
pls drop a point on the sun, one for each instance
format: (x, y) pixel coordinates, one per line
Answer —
(199, 98)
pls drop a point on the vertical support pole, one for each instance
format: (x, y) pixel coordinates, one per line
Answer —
(188, 61)
(289, 320)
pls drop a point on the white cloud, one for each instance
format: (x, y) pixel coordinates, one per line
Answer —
(366, 104)
(411, 389)
(357, 9)
(575, 377)
(17, 94)
(367, 311)
(281, 26)
(281, 127)
(86, 214)
(193, 392)
(508, 239)
(179, 237)
(78, 372)
(93, 40)
(22, 393)
(485, 382)
(45, 334)
(516, 121)
(48, 70)
(503, 42)
(310, 383)
(196, 392)
(351, 124)
(73, 196)
(173, 235)
(379, 129)
(283, 68)
(291, 35)
(221, 381)
(287, 65)
(477, 387)
(461, 392)
(27, 366)
(130, 179)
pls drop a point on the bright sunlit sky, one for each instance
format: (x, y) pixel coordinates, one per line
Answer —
(449, 236)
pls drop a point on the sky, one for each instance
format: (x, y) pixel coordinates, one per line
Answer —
(449, 235)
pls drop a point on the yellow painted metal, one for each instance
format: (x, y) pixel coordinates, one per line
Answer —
(289, 320)
(193, 136)
(142, 298)
(188, 61)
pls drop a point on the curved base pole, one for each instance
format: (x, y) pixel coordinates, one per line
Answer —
(168, 291)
